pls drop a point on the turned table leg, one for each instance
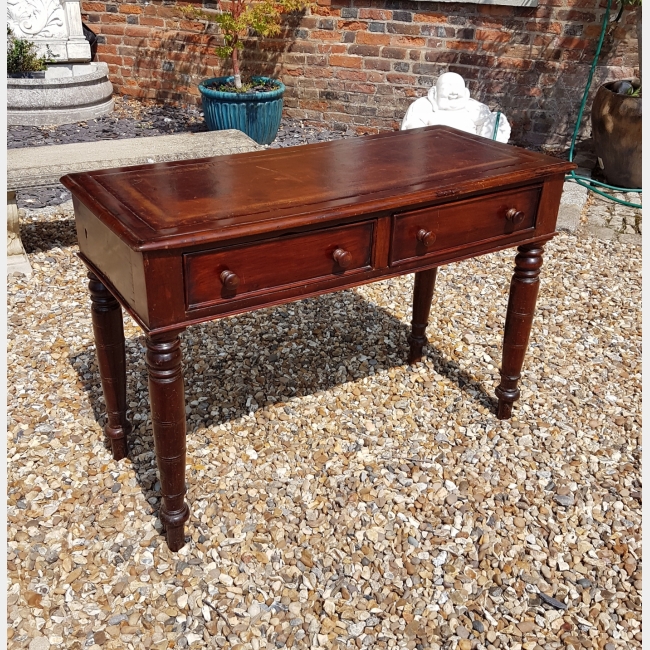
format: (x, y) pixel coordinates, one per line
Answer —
(167, 397)
(519, 319)
(425, 282)
(111, 358)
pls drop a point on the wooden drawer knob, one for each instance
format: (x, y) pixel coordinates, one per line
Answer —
(342, 257)
(514, 215)
(426, 237)
(230, 280)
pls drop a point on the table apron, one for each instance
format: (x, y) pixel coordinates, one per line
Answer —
(293, 294)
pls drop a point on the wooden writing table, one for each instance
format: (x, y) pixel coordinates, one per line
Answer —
(191, 241)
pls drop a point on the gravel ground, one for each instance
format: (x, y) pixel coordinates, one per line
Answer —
(339, 497)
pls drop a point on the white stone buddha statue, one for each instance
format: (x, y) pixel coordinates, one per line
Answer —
(448, 103)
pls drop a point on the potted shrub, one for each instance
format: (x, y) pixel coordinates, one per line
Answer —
(616, 125)
(253, 106)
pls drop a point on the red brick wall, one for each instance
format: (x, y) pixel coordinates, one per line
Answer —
(360, 63)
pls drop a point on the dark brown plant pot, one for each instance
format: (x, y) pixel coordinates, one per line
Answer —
(616, 127)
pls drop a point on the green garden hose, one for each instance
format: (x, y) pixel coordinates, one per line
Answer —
(585, 181)
(496, 126)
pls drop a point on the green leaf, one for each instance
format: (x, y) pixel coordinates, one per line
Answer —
(22, 55)
(263, 17)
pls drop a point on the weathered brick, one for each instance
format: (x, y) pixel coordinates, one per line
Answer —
(315, 105)
(573, 15)
(367, 38)
(140, 31)
(511, 63)
(393, 52)
(129, 9)
(332, 48)
(168, 13)
(362, 110)
(403, 79)
(315, 59)
(404, 16)
(469, 75)
(426, 82)
(436, 44)
(494, 10)
(374, 14)
(351, 75)
(113, 29)
(368, 89)
(103, 48)
(437, 30)
(545, 27)
(403, 28)
(324, 35)
(111, 59)
(465, 33)
(87, 7)
(364, 50)
(307, 48)
(426, 68)
(376, 64)
(151, 21)
(351, 26)
(114, 18)
(492, 36)
(440, 57)
(344, 61)
(469, 46)
(407, 41)
(479, 60)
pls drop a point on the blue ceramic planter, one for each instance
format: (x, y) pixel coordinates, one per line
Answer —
(256, 114)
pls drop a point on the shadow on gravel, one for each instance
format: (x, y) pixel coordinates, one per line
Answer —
(45, 235)
(251, 374)
(250, 367)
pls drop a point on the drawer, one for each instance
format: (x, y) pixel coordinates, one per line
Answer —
(419, 233)
(216, 276)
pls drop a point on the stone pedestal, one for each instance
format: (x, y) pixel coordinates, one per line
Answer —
(17, 261)
(64, 95)
(72, 89)
(53, 24)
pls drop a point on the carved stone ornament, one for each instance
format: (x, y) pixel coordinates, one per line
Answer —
(448, 103)
(53, 24)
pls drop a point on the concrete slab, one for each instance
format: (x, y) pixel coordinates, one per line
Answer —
(631, 239)
(602, 233)
(17, 260)
(573, 201)
(44, 166)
